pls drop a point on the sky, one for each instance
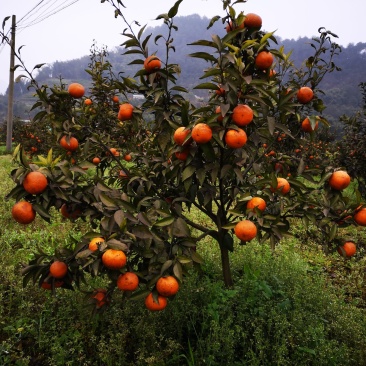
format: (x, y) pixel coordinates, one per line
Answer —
(68, 33)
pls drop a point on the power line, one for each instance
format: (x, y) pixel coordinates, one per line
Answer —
(42, 17)
(29, 12)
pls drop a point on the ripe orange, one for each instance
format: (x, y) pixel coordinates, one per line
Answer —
(282, 185)
(245, 230)
(125, 112)
(264, 60)
(167, 286)
(35, 183)
(100, 295)
(220, 92)
(360, 217)
(180, 135)
(48, 286)
(306, 126)
(230, 27)
(128, 157)
(114, 151)
(236, 138)
(128, 281)
(115, 99)
(69, 144)
(76, 90)
(182, 155)
(155, 306)
(256, 202)
(96, 160)
(152, 64)
(122, 174)
(23, 212)
(114, 259)
(94, 243)
(58, 269)
(201, 133)
(305, 95)
(88, 102)
(348, 249)
(242, 115)
(339, 180)
(253, 21)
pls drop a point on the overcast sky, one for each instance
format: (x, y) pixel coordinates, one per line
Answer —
(69, 33)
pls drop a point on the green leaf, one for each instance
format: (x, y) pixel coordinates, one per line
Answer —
(174, 10)
(107, 201)
(180, 228)
(188, 172)
(204, 55)
(165, 221)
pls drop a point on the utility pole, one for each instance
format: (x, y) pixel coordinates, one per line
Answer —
(9, 130)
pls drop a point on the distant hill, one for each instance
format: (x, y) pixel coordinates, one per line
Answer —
(342, 93)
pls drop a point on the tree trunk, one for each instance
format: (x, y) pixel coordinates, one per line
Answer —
(226, 271)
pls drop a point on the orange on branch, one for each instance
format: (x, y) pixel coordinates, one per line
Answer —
(264, 60)
(339, 180)
(180, 136)
(152, 64)
(125, 112)
(58, 269)
(69, 143)
(282, 185)
(128, 281)
(201, 133)
(23, 212)
(236, 138)
(305, 95)
(256, 202)
(360, 216)
(114, 259)
(35, 182)
(245, 230)
(253, 21)
(242, 115)
(76, 90)
(167, 286)
(160, 304)
(95, 243)
(348, 249)
(306, 125)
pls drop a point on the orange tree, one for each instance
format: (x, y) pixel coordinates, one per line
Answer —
(213, 159)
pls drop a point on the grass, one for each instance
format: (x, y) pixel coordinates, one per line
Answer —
(295, 306)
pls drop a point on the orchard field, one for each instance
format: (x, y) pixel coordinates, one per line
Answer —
(163, 232)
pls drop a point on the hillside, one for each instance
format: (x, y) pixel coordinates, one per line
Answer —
(341, 88)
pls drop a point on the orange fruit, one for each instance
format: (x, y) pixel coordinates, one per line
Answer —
(306, 125)
(256, 202)
(122, 174)
(100, 296)
(125, 112)
(264, 60)
(348, 249)
(245, 230)
(128, 157)
(220, 92)
(88, 102)
(58, 269)
(23, 212)
(115, 99)
(76, 90)
(360, 217)
(35, 182)
(236, 138)
(155, 306)
(201, 133)
(128, 281)
(96, 160)
(304, 95)
(182, 155)
(282, 185)
(339, 180)
(48, 286)
(180, 136)
(94, 243)
(114, 151)
(152, 64)
(242, 115)
(230, 27)
(167, 286)
(114, 259)
(69, 144)
(253, 21)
